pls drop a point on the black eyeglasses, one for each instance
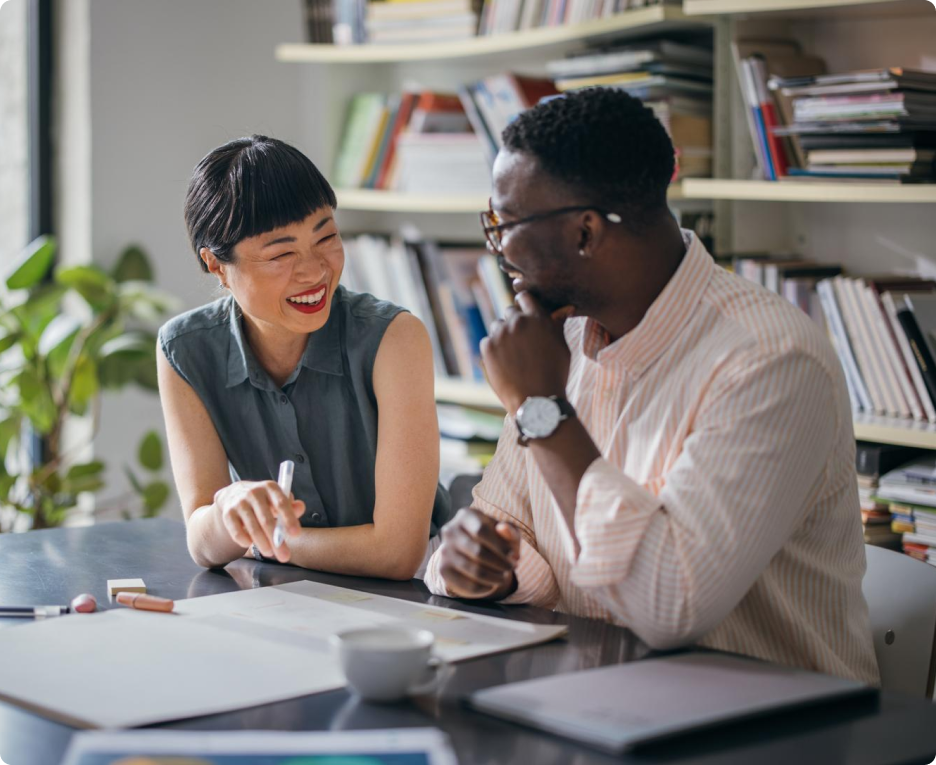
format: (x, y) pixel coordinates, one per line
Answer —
(493, 227)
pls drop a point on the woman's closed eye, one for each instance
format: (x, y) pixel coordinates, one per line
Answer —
(282, 256)
(328, 239)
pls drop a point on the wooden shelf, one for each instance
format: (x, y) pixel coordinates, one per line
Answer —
(398, 201)
(467, 393)
(783, 191)
(712, 7)
(655, 19)
(890, 430)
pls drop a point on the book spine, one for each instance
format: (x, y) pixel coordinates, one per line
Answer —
(842, 344)
(890, 309)
(920, 350)
(778, 159)
(881, 348)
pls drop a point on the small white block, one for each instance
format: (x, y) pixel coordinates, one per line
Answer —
(125, 585)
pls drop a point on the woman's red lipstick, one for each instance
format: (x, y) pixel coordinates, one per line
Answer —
(311, 307)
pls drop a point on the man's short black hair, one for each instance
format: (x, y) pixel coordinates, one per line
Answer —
(247, 187)
(604, 144)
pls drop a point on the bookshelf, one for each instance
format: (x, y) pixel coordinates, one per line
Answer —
(866, 226)
(468, 393)
(651, 20)
(400, 202)
(887, 430)
(713, 7)
(791, 191)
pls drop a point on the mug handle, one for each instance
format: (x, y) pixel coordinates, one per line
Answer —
(438, 671)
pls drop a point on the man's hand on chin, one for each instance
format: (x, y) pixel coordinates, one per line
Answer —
(526, 353)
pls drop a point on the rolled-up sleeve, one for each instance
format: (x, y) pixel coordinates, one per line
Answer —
(503, 494)
(672, 558)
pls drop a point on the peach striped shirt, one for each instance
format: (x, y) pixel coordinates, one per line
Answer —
(724, 509)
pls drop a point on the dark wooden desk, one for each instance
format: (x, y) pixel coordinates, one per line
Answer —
(51, 567)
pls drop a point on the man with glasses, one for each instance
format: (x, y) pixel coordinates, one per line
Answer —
(678, 455)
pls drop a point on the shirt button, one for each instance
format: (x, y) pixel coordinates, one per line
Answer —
(300, 458)
(316, 517)
(283, 399)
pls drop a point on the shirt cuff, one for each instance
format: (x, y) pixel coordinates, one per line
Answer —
(612, 513)
(536, 583)
(433, 579)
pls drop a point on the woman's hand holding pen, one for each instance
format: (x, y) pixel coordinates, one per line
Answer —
(249, 510)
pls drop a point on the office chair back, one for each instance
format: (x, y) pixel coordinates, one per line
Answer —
(901, 595)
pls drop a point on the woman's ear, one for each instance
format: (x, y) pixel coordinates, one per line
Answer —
(213, 265)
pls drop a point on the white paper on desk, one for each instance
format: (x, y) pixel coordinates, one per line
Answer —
(308, 613)
(126, 668)
(408, 746)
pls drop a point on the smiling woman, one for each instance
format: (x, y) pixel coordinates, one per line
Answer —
(290, 365)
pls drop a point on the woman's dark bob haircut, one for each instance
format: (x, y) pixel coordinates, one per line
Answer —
(247, 187)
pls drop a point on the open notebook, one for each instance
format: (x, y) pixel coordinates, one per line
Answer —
(615, 708)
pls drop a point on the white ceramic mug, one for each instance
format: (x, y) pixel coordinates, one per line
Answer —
(389, 663)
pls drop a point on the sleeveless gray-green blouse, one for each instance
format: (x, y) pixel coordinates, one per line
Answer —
(324, 417)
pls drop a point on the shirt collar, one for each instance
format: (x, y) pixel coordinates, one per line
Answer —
(664, 320)
(322, 352)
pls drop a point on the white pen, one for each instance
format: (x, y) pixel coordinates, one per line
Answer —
(285, 483)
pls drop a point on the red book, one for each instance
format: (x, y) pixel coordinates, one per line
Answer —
(407, 105)
(769, 112)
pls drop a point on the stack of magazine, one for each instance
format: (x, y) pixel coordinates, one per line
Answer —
(870, 126)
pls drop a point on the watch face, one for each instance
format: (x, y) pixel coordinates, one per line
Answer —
(538, 417)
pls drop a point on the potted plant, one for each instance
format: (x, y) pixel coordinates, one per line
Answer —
(66, 335)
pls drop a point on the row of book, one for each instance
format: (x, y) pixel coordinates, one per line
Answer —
(876, 126)
(439, 143)
(420, 142)
(499, 16)
(672, 77)
(468, 440)
(904, 498)
(457, 292)
(882, 328)
(400, 22)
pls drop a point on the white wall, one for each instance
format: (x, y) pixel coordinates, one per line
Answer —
(14, 170)
(169, 81)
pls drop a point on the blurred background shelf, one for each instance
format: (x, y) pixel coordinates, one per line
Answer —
(658, 19)
(889, 430)
(791, 191)
(403, 202)
(466, 393)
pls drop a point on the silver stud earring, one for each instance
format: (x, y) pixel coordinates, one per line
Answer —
(584, 254)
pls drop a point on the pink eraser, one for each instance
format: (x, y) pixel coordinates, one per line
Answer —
(84, 604)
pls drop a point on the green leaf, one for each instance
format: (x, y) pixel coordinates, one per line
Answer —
(130, 345)
(134, 481)
(9, 428)
(93, 284)
(33, 264)
(84, 385)
(95, 467)
(6, 483)
(87, 483)
(146, 303)
(154, 497)
(146, 376)
(133, 265)
(58, 332)
(36, 400)
(150, 452)
(7, 341)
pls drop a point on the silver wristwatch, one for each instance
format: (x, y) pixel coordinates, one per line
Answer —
(539, 416)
